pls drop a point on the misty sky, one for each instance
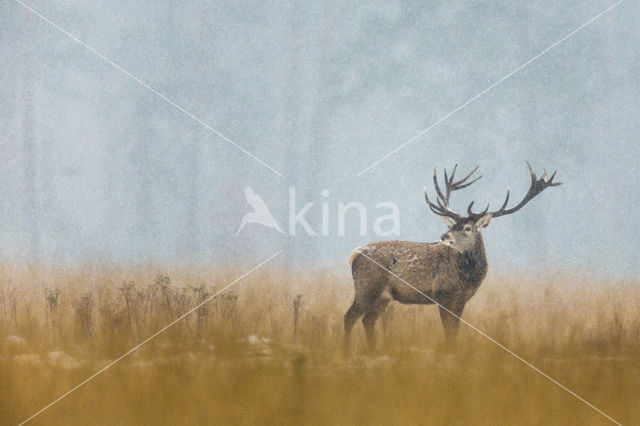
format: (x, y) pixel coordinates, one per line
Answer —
(118, 161)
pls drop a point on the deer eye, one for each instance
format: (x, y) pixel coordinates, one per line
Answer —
(467, 228)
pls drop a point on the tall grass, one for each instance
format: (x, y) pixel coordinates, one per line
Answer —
(267, 351)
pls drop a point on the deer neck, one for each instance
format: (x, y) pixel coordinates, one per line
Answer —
(472, 265)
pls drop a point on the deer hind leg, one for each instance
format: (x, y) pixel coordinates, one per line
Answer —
(450, 318)
(355, 311)
(370, 318)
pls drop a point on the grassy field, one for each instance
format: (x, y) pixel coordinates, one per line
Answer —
(268, 351)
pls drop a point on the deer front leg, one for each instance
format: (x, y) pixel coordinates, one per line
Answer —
(450, 317)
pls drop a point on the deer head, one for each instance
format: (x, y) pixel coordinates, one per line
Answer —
(464, 230)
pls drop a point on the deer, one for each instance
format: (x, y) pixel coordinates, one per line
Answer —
(447, 273)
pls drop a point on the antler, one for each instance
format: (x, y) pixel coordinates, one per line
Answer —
(442, 200)
(537, 186)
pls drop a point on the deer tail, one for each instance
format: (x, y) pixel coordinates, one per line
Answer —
(354, 255)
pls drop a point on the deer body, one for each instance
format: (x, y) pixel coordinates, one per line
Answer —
(437, 270)
(447, 273)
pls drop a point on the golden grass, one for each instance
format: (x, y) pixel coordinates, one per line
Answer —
(268, 351)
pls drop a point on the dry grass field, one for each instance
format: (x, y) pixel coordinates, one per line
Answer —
(268, 351)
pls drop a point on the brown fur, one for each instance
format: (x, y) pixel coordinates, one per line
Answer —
(439, 271)
(446, 273)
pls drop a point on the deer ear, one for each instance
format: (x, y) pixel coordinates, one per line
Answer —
(448, 221)
(483, 222)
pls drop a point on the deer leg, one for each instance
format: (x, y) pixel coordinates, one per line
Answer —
(450, 318)
(350, 318)
(370, 318)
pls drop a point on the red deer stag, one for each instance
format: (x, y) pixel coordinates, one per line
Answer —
(448, 272)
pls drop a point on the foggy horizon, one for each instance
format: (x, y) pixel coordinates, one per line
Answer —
(98, 167)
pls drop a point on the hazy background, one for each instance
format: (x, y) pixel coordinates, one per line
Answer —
(96, 166)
